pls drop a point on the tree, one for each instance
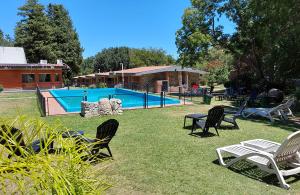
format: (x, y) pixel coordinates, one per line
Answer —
(266, 38)
(65, 41)
(218, 64)
(87, 66)
(149, 57)
(196, 35)
(6, 40)
(34, 33)
(110, 59)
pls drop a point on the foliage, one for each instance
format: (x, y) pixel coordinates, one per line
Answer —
(297, 94)
(1, 88)
(149, 57)
(219, 64)
(6, 40)
(193, 39)
(267, 37)
(64, 38)
(110, 59)
(87, 66)
(48, 34)
(34, 33)
(101, 85)
(92, 86)
(63, 172)
(266, 41)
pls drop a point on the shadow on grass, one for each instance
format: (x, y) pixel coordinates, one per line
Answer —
(96, 159)
(202, 134)
(249, 170)
(93, 159)
(222, 127)
(289, 125)
(293, 124)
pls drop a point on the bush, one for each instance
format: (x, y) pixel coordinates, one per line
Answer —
(101, 85)
(92, 86)
(297, 94)
(1, 88)
(63, 172)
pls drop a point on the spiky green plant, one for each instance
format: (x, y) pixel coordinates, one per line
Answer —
(58, 171)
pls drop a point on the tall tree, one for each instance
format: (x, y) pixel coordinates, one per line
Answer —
(196, 35)
(110, 59)
(65, 38)
(88, 66)
(34, 33)
(266, 38)
(149, 57)
(218, 64)
(6, 40)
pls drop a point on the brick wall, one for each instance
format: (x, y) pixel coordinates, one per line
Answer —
(13, 79)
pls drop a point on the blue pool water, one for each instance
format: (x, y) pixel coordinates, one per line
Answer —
(71, 99)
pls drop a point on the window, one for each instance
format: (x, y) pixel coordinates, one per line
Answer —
(28, 78)
(56, 78)
(45, 78)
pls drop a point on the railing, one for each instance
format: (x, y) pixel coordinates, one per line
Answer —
(162, 98)
(41, 102)
(47, 113)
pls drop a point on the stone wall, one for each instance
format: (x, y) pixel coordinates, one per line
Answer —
(103, 107)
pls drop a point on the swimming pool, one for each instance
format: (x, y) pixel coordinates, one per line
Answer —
(71, 99)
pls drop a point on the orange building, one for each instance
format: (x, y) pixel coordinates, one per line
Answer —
(16, 73)
(29, 76)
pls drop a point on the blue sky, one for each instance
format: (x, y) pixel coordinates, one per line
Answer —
(110, 23)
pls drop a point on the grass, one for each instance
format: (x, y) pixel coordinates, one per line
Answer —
(153, 154)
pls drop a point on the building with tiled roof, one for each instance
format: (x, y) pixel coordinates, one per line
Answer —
(154, 77)
(16, 73)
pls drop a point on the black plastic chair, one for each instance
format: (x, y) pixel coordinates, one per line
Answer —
(230, 115)
(105, 132)
(12, 139)
(213, 119)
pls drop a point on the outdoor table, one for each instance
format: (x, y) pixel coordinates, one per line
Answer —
(194, 117)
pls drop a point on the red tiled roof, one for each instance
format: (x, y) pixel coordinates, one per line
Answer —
(141, 69)
(30, 65)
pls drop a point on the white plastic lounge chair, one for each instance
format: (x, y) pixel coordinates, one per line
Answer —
(286, 154)
(268, 113)
(263, 145)
(286, 110)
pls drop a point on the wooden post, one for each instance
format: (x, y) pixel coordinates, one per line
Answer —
(187, 80)
(180, 78)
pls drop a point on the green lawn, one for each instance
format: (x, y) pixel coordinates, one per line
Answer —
(153, 154)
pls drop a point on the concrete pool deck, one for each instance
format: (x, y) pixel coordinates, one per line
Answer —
(54, 107)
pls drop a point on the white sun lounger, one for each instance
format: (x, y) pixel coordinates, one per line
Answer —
(286, 111)
(268, 113)
(286, 154)
(263, 145)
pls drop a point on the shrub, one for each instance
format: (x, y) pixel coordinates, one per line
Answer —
(1, 88)
(101, 85)
(297, 94)
(63, 172)
(92, 86)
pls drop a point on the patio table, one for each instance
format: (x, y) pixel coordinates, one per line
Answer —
(194, 117)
